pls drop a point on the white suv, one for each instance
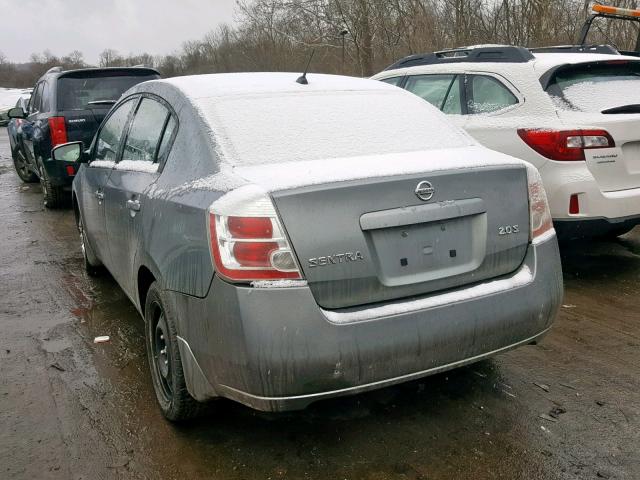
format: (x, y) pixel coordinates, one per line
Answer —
(573, 112)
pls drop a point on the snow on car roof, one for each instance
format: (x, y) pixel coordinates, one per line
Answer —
(224, 84)
(549, 60)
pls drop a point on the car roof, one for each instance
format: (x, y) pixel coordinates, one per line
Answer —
(541, 62)
(550, 60)
(226, 84)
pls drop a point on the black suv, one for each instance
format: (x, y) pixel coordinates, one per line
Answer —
(68, 106)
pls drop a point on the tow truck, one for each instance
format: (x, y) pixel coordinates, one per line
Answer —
(612, 13)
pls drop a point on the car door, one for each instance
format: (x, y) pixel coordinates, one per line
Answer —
(142, 152)
(104, 153)
(443, 91)
(30, 123)
(490, 105)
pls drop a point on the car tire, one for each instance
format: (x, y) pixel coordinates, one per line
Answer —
(22, 168)
(164, 359)
(53, 196)
(92, 265)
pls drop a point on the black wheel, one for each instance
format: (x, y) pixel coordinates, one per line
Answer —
(163, 355)
(22, 167)
(91, 264)
(53, 196)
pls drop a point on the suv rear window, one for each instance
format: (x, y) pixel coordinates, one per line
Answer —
(76, 93)
(598, 86)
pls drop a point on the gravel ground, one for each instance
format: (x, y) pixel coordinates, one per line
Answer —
(568, 408)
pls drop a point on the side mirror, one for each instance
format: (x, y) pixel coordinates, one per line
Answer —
(16, 112)
(69, 152)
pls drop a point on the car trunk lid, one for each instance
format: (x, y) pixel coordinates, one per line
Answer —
(616, 168)
(603, 94)
(374, 239)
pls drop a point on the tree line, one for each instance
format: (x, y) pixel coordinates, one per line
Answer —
(353, 37)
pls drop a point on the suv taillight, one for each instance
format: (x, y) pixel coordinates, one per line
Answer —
(539, 214)
(58, 131)
(247, 239)
(565, 145)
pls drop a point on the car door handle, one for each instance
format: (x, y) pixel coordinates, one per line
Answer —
(133, 205)
(99, 195)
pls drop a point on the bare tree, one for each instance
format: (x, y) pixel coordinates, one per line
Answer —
(110, 58)
(357, 37)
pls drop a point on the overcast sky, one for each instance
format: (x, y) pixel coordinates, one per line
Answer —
(128, 26)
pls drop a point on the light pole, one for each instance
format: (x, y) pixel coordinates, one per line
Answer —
(343, 34)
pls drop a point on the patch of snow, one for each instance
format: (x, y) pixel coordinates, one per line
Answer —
(248, 200)
(548, 235)
(103, 163)
(10, 96)
(316, 125)
(246, 184)
(137, 166)
(279, 283)
(487, 45)
(520, 279)
(544, 61)
(217, 85)
(282, 176)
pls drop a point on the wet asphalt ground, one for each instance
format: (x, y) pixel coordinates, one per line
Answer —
(568, 408)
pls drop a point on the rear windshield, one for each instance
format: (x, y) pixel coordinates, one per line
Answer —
(77, 93)
(595, 87)
(261, 129)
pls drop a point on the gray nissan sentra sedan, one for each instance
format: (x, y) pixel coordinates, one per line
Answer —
(290, 242)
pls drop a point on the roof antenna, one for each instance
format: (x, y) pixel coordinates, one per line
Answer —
(302, 79)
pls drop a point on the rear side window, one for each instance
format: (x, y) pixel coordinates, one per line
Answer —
(111, 133)
(596, 87)
(393, 80)
(146, 129)
(487, 95)
(78, 93)
(34, 104)
(441, 91)
(167, 136)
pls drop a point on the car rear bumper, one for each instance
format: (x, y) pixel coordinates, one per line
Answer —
(275, 349)
(57, 173)
(574, 228)
(561, 181)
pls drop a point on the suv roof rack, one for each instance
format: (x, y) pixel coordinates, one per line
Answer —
(604, 49)
(480, 53)
(54, 70)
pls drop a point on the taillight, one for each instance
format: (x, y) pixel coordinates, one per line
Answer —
(247, 239)
(565, 145)
(70, 170)
(574, 204)
(539, 214)
(58, 131)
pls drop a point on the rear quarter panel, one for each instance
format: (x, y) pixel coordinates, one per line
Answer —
(175, 242)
